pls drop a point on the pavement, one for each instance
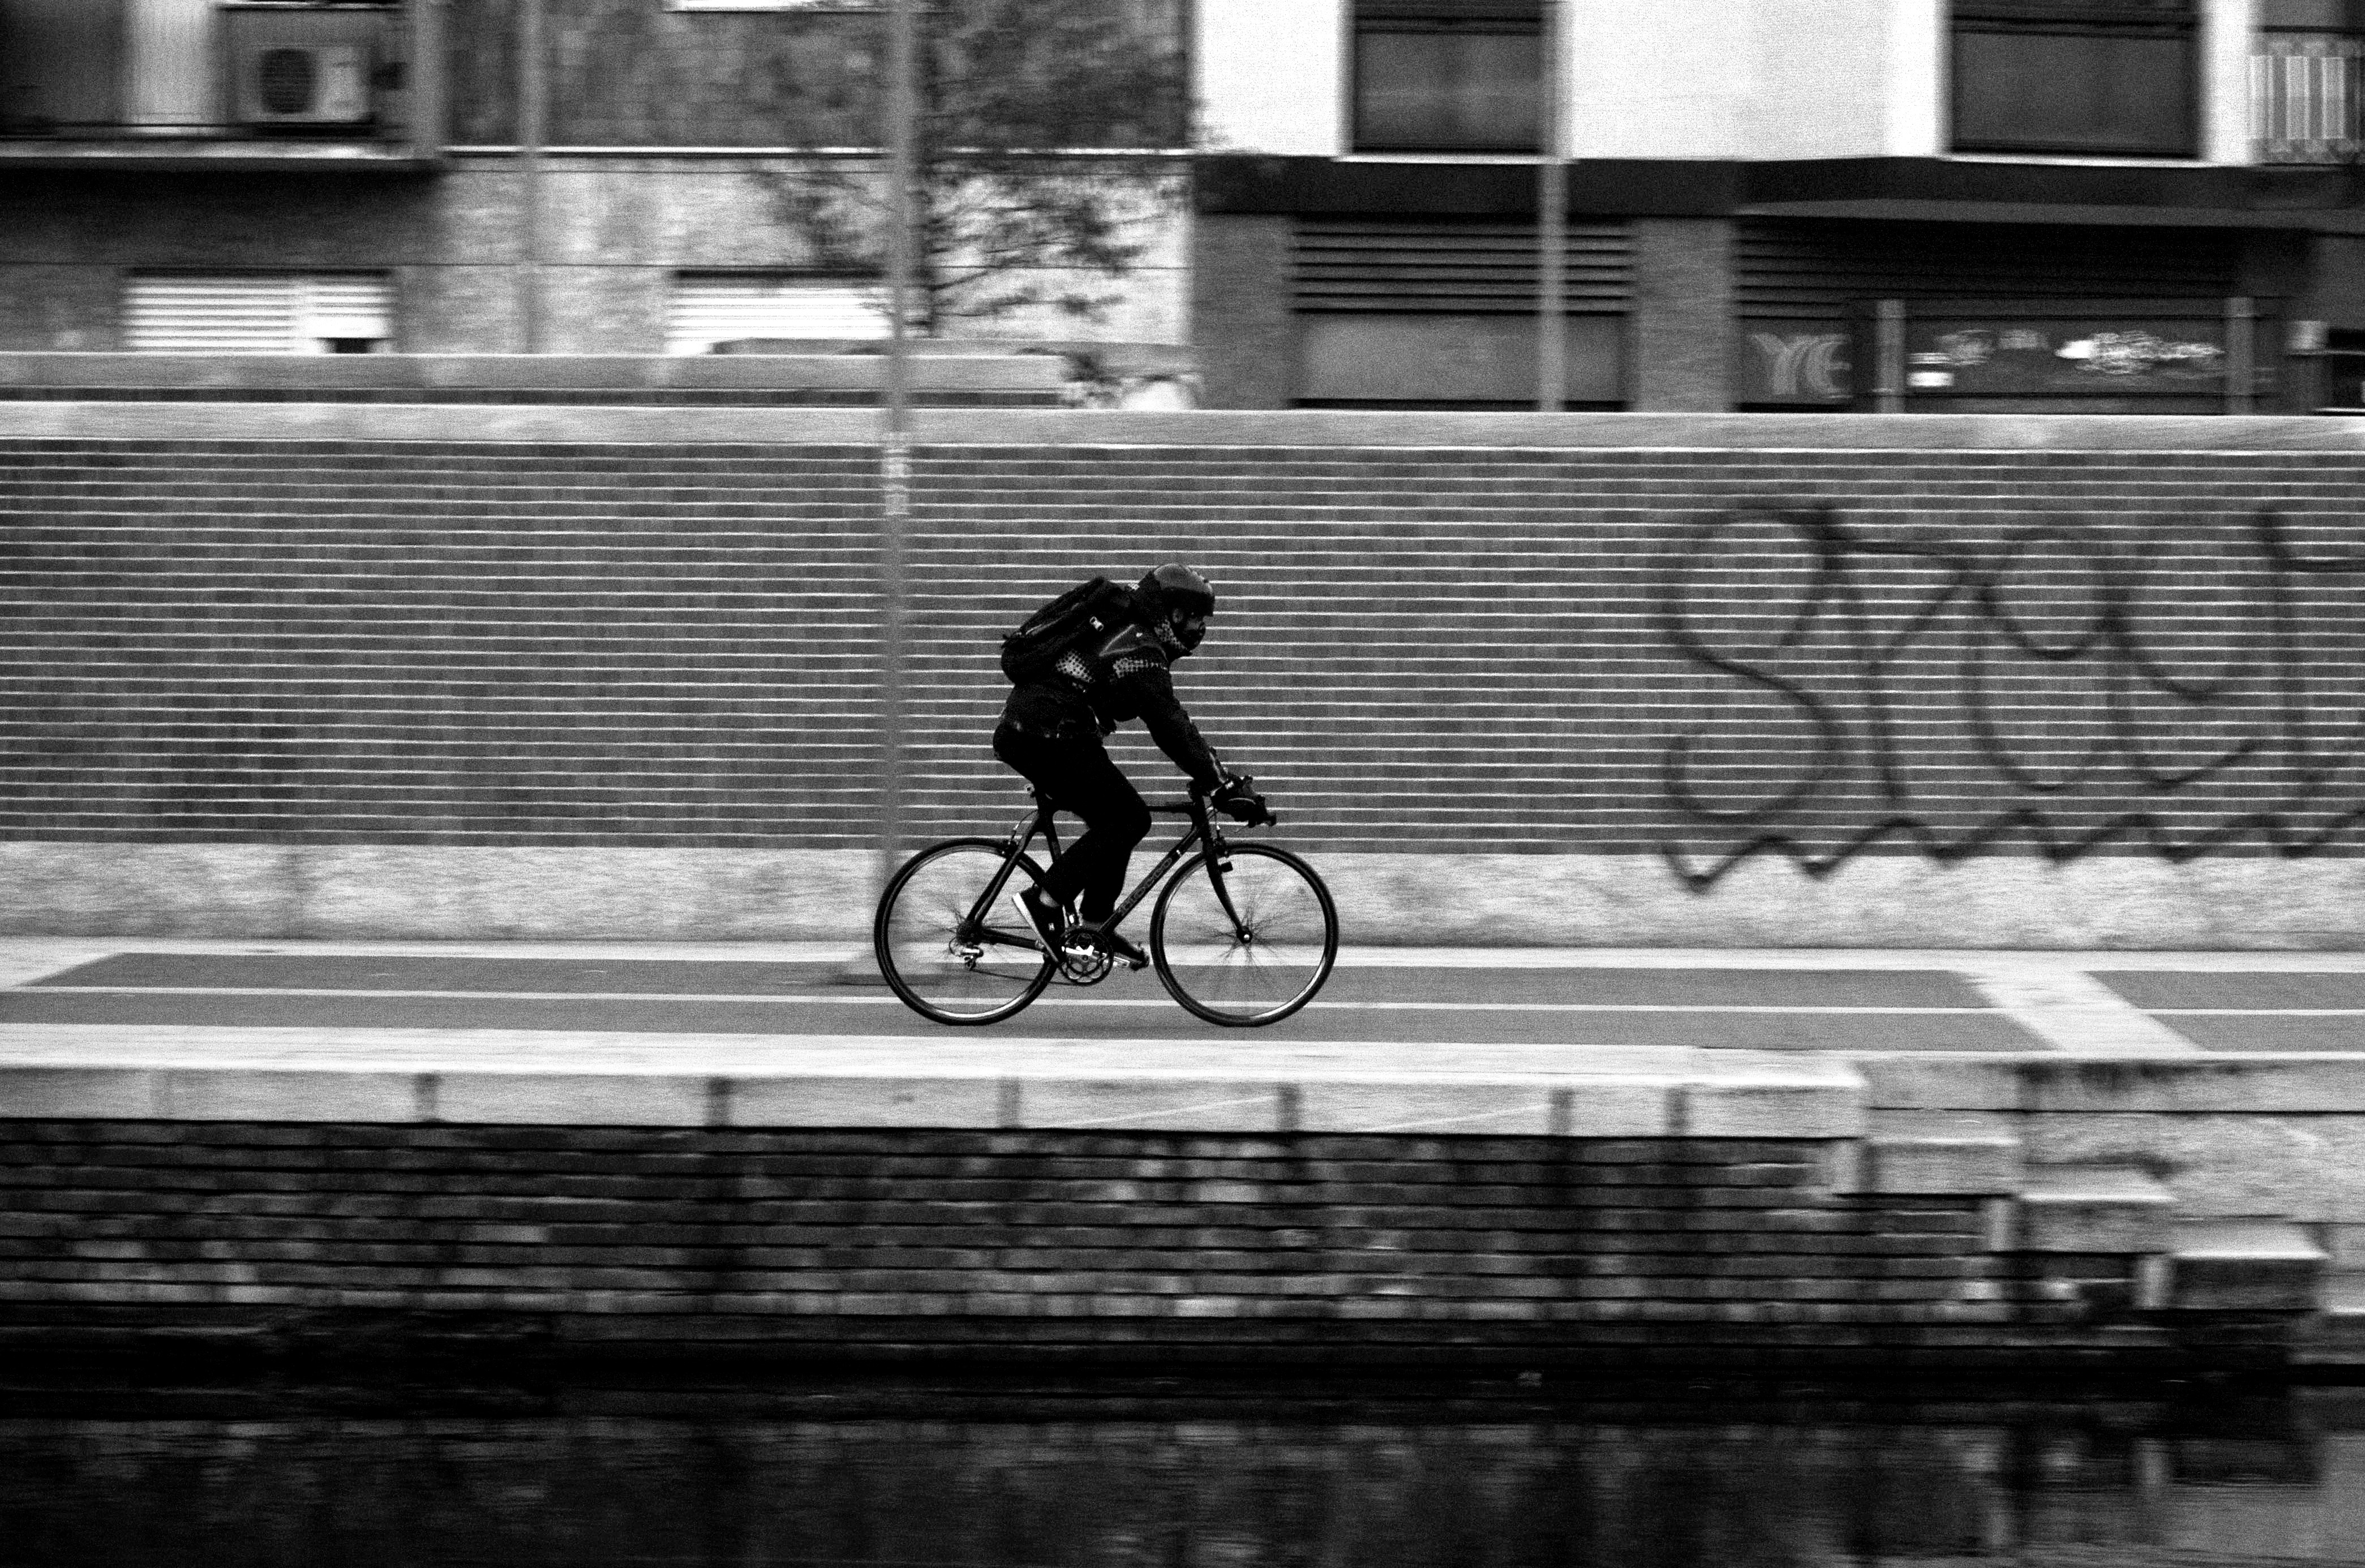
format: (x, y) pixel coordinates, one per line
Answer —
(737, 1007)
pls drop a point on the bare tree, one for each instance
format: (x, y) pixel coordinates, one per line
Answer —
(1013, 210)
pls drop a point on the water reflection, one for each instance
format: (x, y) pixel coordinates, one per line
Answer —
(1193, 1477)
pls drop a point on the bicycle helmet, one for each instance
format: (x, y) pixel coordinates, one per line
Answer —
(1174, 590)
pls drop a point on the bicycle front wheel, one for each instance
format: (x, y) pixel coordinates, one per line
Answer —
(1244, 938)
(947, 941)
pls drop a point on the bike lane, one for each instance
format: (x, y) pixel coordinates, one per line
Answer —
(107, 991)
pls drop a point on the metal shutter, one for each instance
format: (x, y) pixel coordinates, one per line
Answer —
(1453, 268)
(1816, 271)
(233, 313)
(704, 311)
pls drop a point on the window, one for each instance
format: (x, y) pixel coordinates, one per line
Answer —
(1448, 75)
(2114, 77)
(256, 313)
(708, 308)
(2307, 82)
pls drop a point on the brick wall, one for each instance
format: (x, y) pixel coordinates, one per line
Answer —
(938, 1243)
(1698, 651)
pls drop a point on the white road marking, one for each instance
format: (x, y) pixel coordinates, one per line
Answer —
(2256, 1011)
(835, 999)
(2072, 1011)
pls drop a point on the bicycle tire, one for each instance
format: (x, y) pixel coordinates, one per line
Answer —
(1265, 967)
(940, 970)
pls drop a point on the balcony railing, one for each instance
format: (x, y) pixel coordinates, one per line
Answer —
(216, 81)
(2306, 94)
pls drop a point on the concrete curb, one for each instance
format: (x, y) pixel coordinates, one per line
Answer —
(1721, 1095)
(477, 893)
(496, 421)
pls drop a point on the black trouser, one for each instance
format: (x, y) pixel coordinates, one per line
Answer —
(1078, 777)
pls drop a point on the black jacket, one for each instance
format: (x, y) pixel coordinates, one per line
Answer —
(1095, 690)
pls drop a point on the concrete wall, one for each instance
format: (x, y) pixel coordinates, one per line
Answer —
(1751, 79)
(1271, 77)
(1718, 79)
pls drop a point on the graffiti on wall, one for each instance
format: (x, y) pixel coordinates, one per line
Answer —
(2180, 684)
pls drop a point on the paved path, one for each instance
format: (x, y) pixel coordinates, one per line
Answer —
(550, 1004)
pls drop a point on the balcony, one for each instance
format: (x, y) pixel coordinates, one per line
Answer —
(219, 84)
(2305, 93)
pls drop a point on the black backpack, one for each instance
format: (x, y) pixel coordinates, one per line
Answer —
(1084, 614)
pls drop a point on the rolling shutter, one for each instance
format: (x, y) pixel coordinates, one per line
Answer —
(704, 311)
(247, 313)
(1818, 271)
(1453, 268)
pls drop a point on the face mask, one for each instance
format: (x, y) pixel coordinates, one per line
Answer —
(1189, 631)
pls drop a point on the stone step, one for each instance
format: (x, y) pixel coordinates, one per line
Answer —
(2336, 1336)
(2091, 1209)
(1941, 1167)
(2245, 1265)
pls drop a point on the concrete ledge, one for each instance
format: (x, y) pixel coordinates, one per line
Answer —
(2094, 1209)
(2254, 1265)
(62, 888)
(1942, 1167)
(858, 1083)
(1754, 433)
(2069, 1083)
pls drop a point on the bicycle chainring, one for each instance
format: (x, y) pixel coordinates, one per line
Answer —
(1085, 965)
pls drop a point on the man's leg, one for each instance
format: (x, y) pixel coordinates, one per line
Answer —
(1079, 778)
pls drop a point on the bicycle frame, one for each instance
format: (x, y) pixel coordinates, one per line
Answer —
(1203, 830)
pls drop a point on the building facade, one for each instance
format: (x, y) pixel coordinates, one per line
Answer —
(1942, 204)
(1981, 205)
(559, 176)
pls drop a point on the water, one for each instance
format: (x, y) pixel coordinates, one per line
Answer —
(898, 1472)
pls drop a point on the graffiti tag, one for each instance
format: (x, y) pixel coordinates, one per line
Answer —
(2182, 684)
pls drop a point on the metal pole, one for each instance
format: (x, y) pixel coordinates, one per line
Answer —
(1552, 229)
(2241, 355)
(1888, 357)
(533, 83)
(895, 441)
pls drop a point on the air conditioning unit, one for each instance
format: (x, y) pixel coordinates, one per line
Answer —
(303, 83)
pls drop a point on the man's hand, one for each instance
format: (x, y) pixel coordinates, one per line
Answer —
(1235, 797)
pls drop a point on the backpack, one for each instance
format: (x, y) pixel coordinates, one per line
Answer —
(1086, 612)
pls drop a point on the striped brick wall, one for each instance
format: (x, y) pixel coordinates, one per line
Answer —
(935, 1243)
(1649, 647)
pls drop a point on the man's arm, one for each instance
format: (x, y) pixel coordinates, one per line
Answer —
(1161, 713)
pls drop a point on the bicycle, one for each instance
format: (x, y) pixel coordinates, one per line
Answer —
(1241, 935)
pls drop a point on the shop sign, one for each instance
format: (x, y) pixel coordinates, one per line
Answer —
(2068, 358)
(1784, 363)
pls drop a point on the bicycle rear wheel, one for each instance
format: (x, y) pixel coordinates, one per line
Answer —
(1245, 944)
(947, 941)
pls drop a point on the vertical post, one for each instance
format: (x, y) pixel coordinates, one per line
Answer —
(534, 110)
(1552, 229)
(895, 441)
(1888, 357)
(2241, 355)
(423, 79)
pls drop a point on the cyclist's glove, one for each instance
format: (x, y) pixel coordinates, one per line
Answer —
(1235, 797)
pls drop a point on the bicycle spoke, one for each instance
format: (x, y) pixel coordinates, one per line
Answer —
(949, 958)
(1257, 961)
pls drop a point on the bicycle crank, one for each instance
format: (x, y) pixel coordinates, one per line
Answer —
(1085, 965)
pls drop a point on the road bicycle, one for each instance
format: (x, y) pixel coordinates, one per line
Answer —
(1241, 935)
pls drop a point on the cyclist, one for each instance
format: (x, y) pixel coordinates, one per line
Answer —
(1051, 730)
